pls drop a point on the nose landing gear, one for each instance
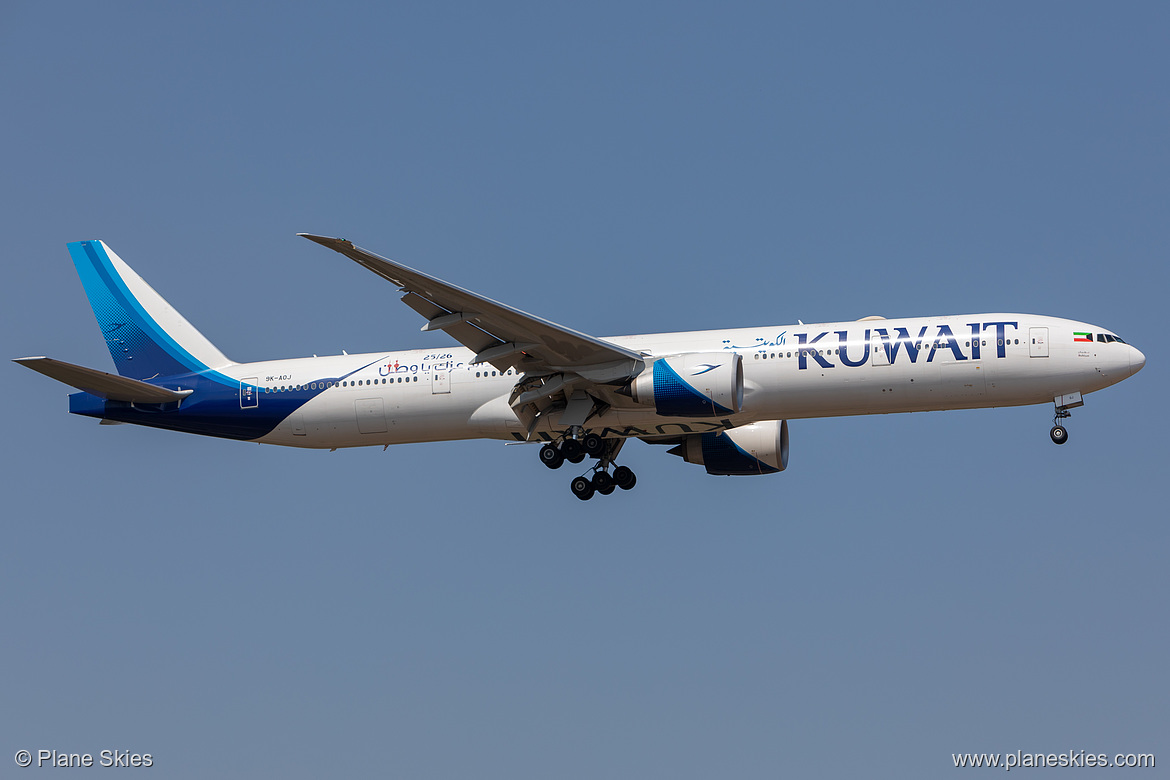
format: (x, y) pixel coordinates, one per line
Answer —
(1063, 403)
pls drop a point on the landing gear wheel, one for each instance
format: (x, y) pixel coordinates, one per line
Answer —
(594, 445)
(624, 478)
(1059, 434)
(572, 450)
(582, 488)
(551, 456)
(603, 483)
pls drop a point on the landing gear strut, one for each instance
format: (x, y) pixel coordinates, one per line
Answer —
(574, 448)
(1058, 433)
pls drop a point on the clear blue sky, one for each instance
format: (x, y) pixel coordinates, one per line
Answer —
(911, 587)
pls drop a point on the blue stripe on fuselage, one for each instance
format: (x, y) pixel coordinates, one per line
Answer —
(213, 409)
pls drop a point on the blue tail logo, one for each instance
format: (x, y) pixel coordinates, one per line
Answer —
(147, 338)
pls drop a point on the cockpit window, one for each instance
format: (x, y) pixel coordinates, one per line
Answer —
(1118, 339)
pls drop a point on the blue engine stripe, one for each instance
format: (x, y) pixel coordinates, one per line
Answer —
(674, 397)
(722, 456)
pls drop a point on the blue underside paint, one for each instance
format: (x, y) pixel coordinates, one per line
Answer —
(212, 410)
(722, 456)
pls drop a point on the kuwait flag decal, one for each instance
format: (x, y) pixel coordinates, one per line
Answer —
(1082, 336)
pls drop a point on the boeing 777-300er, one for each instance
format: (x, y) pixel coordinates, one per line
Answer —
(719, 398)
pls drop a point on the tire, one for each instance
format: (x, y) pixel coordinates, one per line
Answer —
(624, 478)
(582, 488)
(608, 490)
(1059, 434)
(571, 448)
(551, 456)
(594, 445)
(603, 482)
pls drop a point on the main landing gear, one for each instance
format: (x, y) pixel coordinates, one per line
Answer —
(574, 448)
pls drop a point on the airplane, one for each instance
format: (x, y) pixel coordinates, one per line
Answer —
(720, 399)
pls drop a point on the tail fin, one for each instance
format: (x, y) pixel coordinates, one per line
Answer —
(146, 336)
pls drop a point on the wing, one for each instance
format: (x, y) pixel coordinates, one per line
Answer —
(555, 361)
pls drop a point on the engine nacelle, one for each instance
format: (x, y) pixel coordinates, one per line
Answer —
(696, 384)
(759, 448)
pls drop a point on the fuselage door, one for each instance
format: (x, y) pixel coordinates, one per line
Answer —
(249, 397)
(1038, 342)
(371, 415)
(440, 381)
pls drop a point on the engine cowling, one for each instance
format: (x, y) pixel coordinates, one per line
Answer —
(759, 448)
(696, 384)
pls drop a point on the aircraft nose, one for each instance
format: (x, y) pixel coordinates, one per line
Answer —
(1136, 360)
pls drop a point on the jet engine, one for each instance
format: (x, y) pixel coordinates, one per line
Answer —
(697, 384)
(759, 448)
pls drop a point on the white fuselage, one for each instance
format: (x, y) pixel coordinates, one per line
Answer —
(797, 371)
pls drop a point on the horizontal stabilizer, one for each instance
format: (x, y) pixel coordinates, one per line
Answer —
(101, 384)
